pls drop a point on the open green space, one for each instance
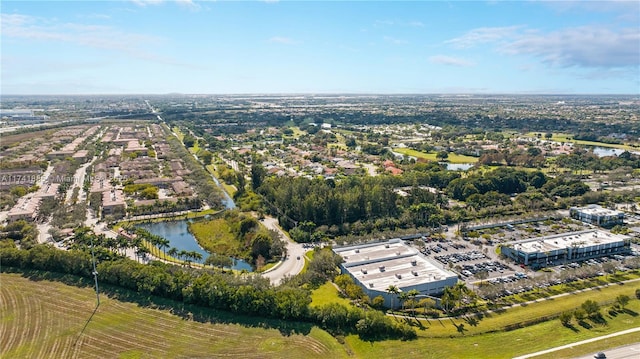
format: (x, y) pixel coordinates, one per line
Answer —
(566, 138)
(453, 158)
(325, 294)
(463, 340)
(215, 236)
(41, 318)
(50, 319)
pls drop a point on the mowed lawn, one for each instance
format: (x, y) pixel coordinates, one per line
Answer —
(487, 339)
(45, 319)
(326, 294)
(453, 158)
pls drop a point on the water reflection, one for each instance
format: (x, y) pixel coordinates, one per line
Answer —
(179, 237)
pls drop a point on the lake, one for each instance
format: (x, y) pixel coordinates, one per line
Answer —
(457, 166)
(179, 237)
(606, 151)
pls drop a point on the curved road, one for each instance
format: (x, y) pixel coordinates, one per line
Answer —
(291, 265)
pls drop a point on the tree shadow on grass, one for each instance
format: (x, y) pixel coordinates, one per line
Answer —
(630, 312)
(584, 324)
(180, 309)
(572, 327)
(472, 321)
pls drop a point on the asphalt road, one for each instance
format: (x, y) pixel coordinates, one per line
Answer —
(289, 266)
(626, 352)
(613, 353)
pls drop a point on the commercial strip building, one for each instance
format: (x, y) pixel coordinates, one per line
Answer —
(597, 215)
(377, 266)
(567, 247)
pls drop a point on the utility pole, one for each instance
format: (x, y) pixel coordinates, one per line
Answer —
(95, 273)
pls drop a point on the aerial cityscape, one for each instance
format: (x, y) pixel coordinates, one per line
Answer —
(284, 179)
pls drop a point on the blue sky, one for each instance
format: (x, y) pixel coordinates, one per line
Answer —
(229, 47)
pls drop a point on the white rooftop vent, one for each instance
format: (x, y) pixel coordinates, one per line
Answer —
(357, 250)
(398, 275)
(386, 245)
(381, 268)
(371, 284)
(397, 253)
(414, 272)
(414, 262)
(364, 270)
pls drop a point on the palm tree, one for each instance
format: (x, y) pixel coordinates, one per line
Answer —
(185, 256)
(403, 298)
(195, 255)
(164, 244)
(392, 289)
(173, 252)
(413, 293)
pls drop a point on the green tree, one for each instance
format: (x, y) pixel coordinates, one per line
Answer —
(565, 318)
(622, 300)
(393, 290)
(217, 260)
(591, 307)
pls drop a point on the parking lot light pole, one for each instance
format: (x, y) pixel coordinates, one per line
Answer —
(95, 272)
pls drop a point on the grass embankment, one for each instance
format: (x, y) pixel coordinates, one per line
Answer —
(215, 237)
(45, 319)
(453, 158)
(464, 338)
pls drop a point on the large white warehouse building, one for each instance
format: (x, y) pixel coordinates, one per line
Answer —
(377, 266)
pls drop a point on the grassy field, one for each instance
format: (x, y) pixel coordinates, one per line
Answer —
(325, 294)
(215, 236)
(562, 137)
(44, 319)
(466, 343)
(40, 318)
(453, 158)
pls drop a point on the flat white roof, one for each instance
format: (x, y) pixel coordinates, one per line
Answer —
(373, 252)
(598, 211)
(567, 240)
(379, 265)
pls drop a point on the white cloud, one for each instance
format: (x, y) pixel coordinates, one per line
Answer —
(415, 24)
(283, 40)
(451, 61)
(383, 23)
(190, 4)
(586, 46)
(483, 35)
(144, 3)
(15, 26)
(394, 40)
